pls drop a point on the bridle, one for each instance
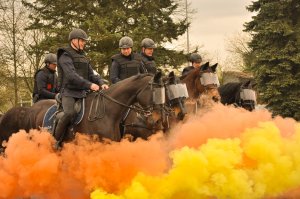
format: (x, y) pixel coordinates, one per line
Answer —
(247, 98)
(176, 93)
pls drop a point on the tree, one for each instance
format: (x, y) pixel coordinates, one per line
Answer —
(240, 58)
(276, 50)
(18, 59)
(11, 30)
(106, 21)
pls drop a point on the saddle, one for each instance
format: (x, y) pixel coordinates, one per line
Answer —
(55, 112)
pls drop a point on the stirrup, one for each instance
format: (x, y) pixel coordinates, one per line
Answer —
(58, 145)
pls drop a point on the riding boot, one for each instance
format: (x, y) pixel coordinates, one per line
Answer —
(60, 130)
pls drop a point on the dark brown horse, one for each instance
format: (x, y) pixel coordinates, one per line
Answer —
(136, 125)
(202, 82)
(116, 100)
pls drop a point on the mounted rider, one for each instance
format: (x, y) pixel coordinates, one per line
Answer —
(45, 80)
(196, 60)
(148, 47)
(126, 63)
(75, 77)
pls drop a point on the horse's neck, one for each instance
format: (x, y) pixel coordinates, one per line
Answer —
(121, 97)
(230, 93)
(191, 85)
(125, 94)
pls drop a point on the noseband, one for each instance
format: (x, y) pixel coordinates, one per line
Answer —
(247, 97)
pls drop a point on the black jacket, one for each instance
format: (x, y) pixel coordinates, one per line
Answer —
(149, 63)
(125, 66)
(45, 84)
(75, 74)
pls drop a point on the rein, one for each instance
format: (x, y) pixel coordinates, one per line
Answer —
(100, 95)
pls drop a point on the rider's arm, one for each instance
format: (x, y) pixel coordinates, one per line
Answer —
(95, 78)
(143, 68)
(41, 79)
(72, 78)
(114, 72)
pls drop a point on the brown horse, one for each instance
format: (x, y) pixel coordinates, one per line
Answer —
(202, 82)
(136, 125)
(115, 102)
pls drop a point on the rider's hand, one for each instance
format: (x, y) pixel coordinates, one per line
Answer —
(104, 86)
(94, 87)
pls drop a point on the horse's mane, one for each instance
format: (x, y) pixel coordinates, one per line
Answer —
(196, 71)
(127, 81)
(228, 91)
(190, 74)
(190, 77)
(133, 78)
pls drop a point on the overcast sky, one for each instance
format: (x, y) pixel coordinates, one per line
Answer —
(214, 21)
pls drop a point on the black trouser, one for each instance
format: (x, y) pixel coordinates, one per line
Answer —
(68, 116)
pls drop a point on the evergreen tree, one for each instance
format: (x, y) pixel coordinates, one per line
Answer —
(106, 21)
(275, 49)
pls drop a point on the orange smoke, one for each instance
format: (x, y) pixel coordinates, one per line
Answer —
(236, 140)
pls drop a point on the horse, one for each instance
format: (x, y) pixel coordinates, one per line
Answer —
(202, 82)
(240, 94)
(135, 124)
(106, 108)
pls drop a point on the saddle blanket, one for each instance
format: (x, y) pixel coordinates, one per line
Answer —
(49, 117)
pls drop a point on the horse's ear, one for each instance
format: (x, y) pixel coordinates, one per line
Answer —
(205, 66)
(214, 67)
(253, 84)
(171, 74)
(157, 76)
(246, 84)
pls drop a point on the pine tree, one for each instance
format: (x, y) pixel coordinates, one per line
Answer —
(275, 49)
(106, 21)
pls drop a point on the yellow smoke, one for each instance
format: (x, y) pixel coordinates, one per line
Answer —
(220, 153)
(259, 163)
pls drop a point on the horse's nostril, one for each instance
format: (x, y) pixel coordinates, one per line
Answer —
(215, 99)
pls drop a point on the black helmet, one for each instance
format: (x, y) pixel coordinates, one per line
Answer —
(195, 57)
(148, 43)
(125, 42)
(78, 34)
(50, 59)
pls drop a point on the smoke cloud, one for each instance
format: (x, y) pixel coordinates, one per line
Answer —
(221, 153)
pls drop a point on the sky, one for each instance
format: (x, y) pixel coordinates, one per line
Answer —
(213, 22)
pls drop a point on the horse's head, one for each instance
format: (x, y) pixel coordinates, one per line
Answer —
(246, 97)
(176, 95)
(152, 93)
(152, 98)
(207, 81)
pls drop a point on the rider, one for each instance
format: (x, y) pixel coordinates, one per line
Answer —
(75, 77)
(148, 47)
(196, 60)
(126, 63)
(45, 80)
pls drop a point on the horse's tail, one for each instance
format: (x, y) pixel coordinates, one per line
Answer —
(1, 139)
